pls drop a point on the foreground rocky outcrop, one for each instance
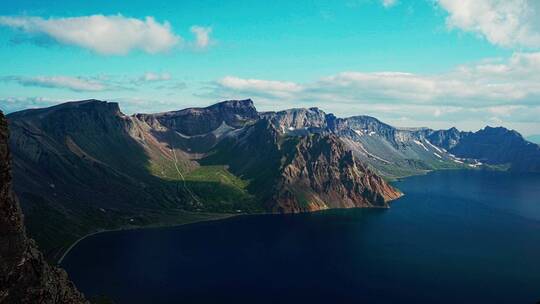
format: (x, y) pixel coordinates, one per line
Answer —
(25, 276)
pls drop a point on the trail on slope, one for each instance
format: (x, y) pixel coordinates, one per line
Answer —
(193, 196)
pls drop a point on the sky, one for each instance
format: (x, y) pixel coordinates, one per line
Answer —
(421, 63)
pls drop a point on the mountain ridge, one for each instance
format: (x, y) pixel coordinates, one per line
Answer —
(89, 166)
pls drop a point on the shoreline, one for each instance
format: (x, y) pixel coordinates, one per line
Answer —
(221, 217)
(217, 218)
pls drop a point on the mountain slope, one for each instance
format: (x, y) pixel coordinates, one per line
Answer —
(494, 146)
(398, 152)
(25, 276)
(85, 166)
(389, 151)
(292, 174)
(320, 173)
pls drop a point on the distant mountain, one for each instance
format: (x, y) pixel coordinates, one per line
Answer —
(25, 276)
(534, 138)
(494, 146)
(389, 151)
(84, 166)
(397, 152)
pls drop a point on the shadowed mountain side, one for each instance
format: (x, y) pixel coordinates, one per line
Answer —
(498, 146)
(84, 166)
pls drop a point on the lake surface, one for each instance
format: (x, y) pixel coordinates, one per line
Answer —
(455, 237)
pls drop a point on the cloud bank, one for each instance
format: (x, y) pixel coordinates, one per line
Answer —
(489, 83)
(77, 84)
(492, 91)
(107, 35)
(506, 23)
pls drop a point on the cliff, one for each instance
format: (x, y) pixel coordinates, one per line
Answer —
(25, 276)
(320, 173)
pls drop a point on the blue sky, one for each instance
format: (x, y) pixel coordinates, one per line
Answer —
(436, 63)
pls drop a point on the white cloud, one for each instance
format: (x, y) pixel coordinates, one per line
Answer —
(388, 3)
(507, 23)
(12, 104)
(202, 36)
(271, 87)
(97, 83)
(469, 94)
(108, 35)
(152, 77)
(77, 84)
(516, 80)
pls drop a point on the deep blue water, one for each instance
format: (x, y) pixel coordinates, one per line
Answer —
(455, 237)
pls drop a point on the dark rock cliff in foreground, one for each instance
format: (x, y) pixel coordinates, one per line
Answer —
(25, 276)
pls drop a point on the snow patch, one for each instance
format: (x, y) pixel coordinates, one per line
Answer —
(436, 154)
(434, 147)
(372, 155)
(359, 132)
(420, 144)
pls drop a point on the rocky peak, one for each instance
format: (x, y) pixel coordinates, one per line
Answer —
(296, 119)
(446, 139)
(97, 107)
(25, 276)
(321, 173)
(499, 131)
(198, 121)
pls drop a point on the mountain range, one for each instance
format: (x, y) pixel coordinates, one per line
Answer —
(84, 166)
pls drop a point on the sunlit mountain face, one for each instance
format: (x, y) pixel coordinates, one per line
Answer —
(326, 123)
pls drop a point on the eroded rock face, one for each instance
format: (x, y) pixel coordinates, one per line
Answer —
(296, 119)
(320, 173)
(197, 121)
(25, 276)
